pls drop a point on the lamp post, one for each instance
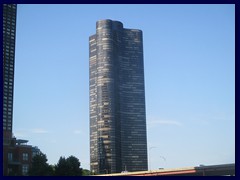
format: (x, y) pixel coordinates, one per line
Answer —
(125, 168)
(163, 158)
(150, 156)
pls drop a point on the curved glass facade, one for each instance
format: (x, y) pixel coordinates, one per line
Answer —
(117, 99)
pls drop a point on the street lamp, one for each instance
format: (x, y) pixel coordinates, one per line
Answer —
(163, 158)
(150, 156)
(125, 168)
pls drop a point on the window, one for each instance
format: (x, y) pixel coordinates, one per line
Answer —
(25, 156)
(10, 156)
(24, 169)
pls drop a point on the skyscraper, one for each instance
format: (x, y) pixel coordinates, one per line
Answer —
(17, 155)
(118, 139)
(9, 34)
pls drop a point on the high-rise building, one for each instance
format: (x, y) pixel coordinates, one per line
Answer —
(17, 155)
(9, 34)
(118, 140)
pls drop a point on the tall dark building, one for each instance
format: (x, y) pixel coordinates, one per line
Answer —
(118, 139)
(17, 155)
(9, 34)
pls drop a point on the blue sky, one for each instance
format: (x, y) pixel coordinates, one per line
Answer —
(189, 59)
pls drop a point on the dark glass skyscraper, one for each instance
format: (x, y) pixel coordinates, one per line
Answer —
(118, 139)
(17, 155)
(9, 34)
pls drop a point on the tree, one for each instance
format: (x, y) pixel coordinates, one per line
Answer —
(61, 167)
(68, 167)
(40, 167)
(86, 172)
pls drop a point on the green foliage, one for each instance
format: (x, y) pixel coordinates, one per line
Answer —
(40, 167)
(86, 172)
(64, 167)
(68, 167)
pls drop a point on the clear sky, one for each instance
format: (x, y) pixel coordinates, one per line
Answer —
(189, 59)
